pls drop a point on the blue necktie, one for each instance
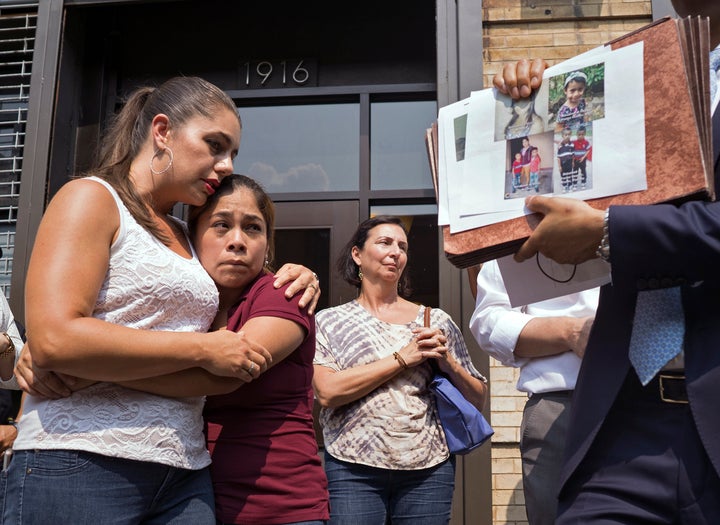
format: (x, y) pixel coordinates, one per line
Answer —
(714, 66)
(658, 331)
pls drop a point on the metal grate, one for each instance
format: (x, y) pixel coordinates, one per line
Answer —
(17, 41)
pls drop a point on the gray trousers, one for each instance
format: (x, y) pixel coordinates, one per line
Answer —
(543, 430)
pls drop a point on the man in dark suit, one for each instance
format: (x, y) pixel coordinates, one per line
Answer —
(641, 451)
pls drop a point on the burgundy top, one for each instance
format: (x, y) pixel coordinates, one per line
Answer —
(265, 463)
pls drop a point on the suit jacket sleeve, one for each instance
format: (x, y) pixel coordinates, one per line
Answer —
(665, 245)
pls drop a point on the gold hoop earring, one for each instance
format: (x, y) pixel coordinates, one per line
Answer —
(157, 154)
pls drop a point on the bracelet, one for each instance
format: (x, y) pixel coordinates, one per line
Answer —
(11, 346)
(603, 250)
(400, 359)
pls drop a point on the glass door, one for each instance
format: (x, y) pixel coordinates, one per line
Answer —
(312, 234)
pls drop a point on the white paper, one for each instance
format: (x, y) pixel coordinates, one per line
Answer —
(478, 189)
(540, 278)
(449, 165)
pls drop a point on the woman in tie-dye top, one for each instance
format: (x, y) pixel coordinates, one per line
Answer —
(386, 455)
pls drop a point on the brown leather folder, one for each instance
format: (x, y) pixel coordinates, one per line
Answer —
(678, 137)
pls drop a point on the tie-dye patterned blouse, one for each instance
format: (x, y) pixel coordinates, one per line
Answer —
(395, 426)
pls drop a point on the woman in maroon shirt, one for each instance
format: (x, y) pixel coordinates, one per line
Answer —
(266, 469)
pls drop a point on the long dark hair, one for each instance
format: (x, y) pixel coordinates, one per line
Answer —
(181, 99)
(231, 184)
(346, 266)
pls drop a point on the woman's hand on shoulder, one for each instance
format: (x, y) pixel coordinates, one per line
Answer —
(301, 279)
(519, 79)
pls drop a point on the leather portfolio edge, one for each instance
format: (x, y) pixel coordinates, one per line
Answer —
(676, 138)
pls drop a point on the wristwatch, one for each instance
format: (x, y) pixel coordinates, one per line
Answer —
(603, 250)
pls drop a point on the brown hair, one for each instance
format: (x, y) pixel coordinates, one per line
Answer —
(348, 268)
(229, 185)
(181, 99)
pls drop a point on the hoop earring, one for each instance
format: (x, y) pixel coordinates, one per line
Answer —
(157, 155)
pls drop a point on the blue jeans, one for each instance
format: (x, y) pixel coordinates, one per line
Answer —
(362, 495)
(67, 486)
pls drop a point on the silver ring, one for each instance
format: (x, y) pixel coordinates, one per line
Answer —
(316, 277)
(252, 367)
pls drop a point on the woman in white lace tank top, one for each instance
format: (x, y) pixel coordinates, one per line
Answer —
(115, 292)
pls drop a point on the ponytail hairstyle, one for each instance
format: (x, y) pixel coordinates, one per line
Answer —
(181, 99)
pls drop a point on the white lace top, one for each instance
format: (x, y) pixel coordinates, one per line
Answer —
(149, 287)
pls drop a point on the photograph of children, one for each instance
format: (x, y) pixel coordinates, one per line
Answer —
(577, 97)
(574, 155)
(529, 166)
(519, 118)
(583, 155)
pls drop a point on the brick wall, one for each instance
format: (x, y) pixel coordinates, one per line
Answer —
(554, 30)
(506, 405)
